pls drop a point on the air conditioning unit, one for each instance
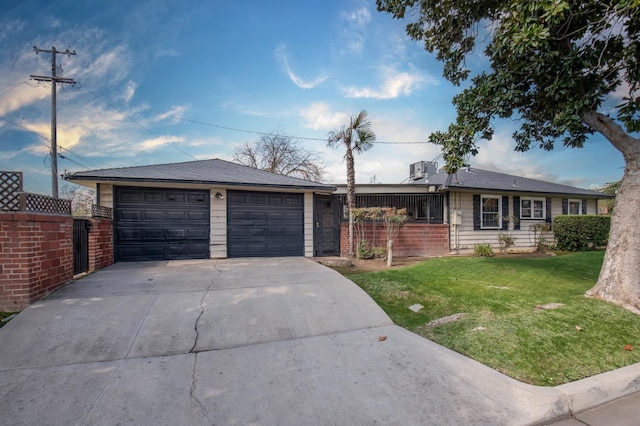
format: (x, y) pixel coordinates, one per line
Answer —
(422, 169)
(417, 170)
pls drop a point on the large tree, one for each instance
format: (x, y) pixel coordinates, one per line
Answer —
(556, 67)
(355, 137)
(280, 153)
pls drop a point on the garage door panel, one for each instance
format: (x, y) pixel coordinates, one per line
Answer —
(293, 217)
(176, 215)
(154, 224)
(265, 224)
(198, 233)
(151, 197)
(199, 216)
(258, 199)
(293, 233)
(152, 234)
(128, 215)
(175, 233)
(152, 215)
(127, 234)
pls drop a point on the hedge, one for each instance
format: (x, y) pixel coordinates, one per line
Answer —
(581, 232)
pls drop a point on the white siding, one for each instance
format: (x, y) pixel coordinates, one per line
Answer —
(106, 195)
(464, 237)
(218, 224)
(308, 224)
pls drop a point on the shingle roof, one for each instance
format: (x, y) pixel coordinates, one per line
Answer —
(473, 178)
(214, 171)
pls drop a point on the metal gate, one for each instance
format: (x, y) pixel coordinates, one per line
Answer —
(80, 245)
(327, 215)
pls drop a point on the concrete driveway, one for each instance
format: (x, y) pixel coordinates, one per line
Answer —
(250, 341)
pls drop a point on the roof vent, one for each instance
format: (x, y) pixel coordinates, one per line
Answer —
(422, 169)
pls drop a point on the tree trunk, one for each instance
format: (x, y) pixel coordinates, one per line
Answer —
(389, 252)
(351, 190)
(619, 280)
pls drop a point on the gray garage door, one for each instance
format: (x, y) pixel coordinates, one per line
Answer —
(264, 224)
(156, 224)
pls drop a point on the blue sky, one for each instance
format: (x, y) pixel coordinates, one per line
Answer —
(165, 81)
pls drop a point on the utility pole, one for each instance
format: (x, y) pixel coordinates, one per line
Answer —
(54, 132)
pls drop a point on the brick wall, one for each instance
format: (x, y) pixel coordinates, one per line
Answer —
(100, 244)
(415, 239)
(36, 257)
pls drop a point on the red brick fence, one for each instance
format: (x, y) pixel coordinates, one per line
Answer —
(414, 239)
(36, 244)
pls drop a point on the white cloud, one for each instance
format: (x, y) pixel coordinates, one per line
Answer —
(282, 58)
(499, 155)
(21, 96)
(173, 113)
(353, 29)
(359, 18)
(318, 116)
(129, 91)
(151, 144)
(112, 64)
(395, 84)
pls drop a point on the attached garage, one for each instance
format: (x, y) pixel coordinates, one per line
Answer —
(206, 209)
(265, 224)
(156, 224)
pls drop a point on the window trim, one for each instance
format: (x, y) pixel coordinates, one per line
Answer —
(574, 200)
(532, 199)
(498, 225)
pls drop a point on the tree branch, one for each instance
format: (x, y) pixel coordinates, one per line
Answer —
(614, 133)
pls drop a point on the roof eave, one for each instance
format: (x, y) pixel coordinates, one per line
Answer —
(519, 190)
(99, 179)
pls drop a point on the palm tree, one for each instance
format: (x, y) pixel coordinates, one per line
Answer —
(356, 137)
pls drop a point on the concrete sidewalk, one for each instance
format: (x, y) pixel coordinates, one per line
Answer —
(251, 341)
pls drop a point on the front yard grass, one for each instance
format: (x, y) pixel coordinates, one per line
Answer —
(4, 315)
(504, 326)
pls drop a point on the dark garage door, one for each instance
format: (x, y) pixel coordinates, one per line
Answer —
(155, 224)
(264, 224)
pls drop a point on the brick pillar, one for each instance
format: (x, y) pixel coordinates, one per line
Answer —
(100, 244)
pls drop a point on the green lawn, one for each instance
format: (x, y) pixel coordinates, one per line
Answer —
(4, 315)
(543, 347)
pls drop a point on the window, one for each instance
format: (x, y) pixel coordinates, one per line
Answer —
(575, 207)
(490, 214)
(532, 208)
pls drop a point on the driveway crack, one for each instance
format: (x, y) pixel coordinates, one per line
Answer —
(192, 391)
(195, 327)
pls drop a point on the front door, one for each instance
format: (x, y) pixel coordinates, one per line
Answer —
(327, 213)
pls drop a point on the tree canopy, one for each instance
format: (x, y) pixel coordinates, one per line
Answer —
(553, 64)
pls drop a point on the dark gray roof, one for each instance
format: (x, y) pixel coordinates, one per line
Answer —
(477, 179)
(215, 171)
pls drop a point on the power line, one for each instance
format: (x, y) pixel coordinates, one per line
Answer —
(59, 146)
(13, 88)
(294, 137)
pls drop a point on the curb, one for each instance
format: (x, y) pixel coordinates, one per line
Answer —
(600, 389)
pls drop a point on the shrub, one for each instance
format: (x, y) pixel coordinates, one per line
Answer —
(581, 232)
(540, 233)
(379, 253)
(506, 240)
(483, 250)
(364, 250)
